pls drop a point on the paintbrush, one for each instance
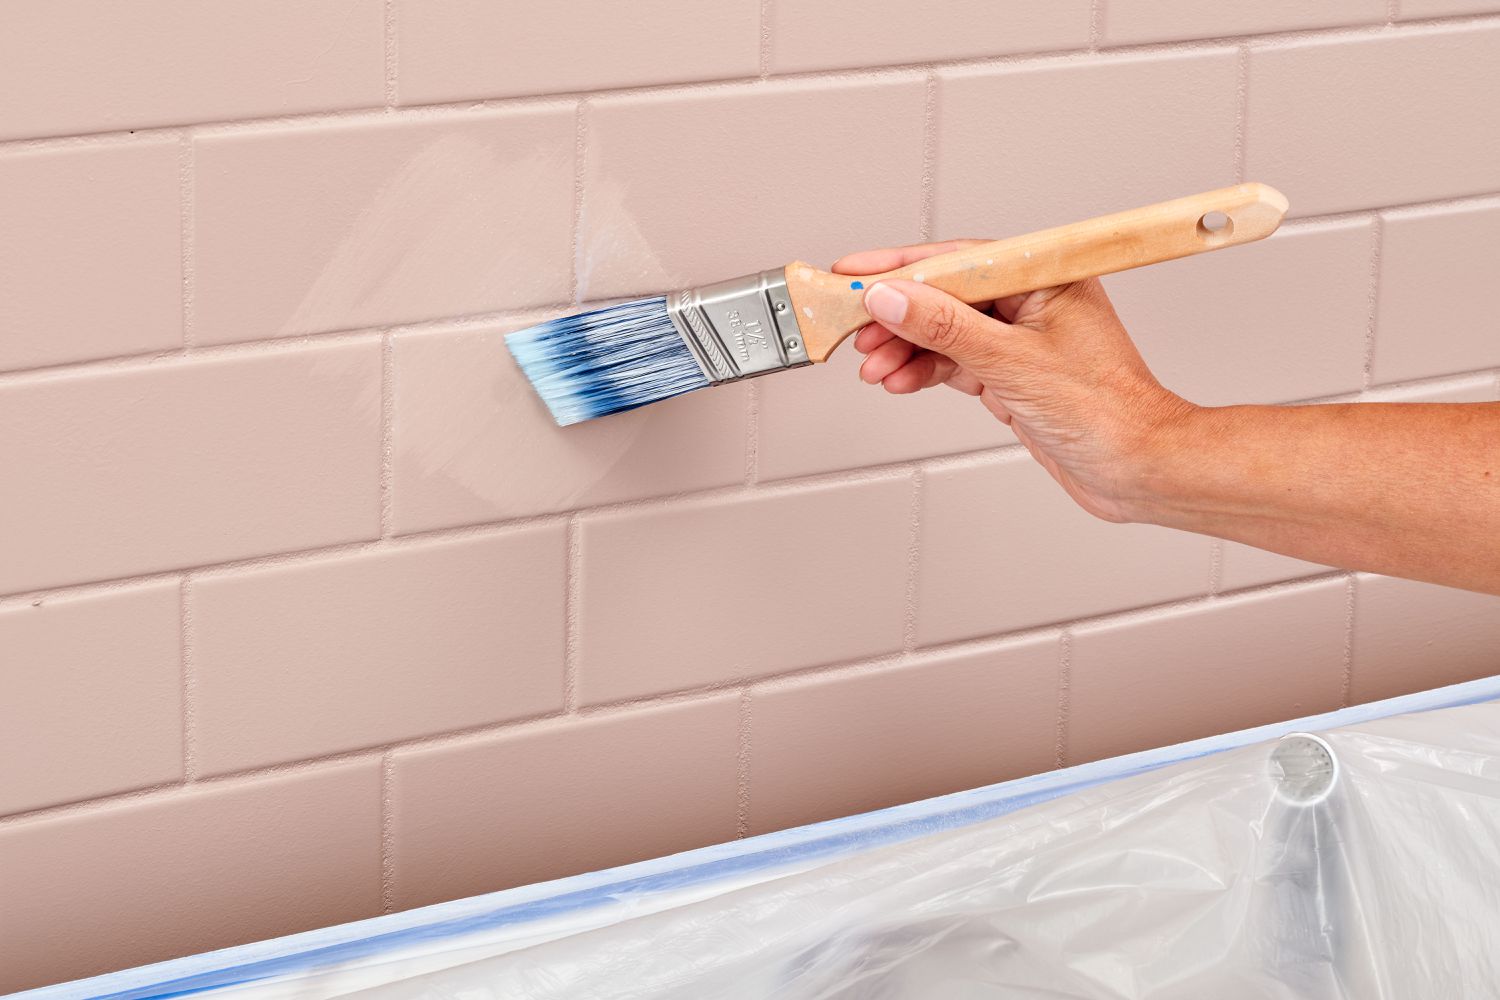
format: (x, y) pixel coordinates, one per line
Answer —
(628, 355)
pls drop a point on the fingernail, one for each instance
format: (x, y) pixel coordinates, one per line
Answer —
(885, 303)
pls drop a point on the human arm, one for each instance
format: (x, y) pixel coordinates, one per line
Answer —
(1404, 489)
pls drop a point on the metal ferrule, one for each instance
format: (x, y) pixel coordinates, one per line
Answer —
(740, 328)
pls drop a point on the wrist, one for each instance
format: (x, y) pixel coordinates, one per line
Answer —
(1173, 462)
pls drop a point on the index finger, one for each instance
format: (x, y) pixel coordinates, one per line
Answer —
(879, 261)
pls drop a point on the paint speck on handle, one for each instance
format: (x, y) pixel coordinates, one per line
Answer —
(917, 278)
(807, 311)
(856, 285)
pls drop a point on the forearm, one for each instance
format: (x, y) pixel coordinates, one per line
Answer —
(1410, 490)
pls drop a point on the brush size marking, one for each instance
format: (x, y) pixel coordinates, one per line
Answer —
(746, 334)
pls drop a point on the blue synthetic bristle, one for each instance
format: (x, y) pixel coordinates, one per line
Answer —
(605, 361)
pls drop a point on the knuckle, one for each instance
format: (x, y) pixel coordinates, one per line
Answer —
(1086, 294)
(944, 327)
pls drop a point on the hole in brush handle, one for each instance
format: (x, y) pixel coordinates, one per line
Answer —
(1215, 227)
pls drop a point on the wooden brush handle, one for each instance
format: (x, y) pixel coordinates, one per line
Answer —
(829, 308)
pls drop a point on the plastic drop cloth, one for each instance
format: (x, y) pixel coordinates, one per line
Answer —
(1363, 862)
(1232, 876)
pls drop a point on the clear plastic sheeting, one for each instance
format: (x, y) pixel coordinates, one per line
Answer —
(1363, 865)
(1362, 861)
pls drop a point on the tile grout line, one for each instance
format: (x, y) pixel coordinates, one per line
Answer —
(166, 790)
(387, 833)
(162, 789)
(1151, 612)
(387, 435)
(302, 765)
(187, 194)
(742, 768)
(479, 104)
(572, 594)
(1434, 382)
(575, 249)
(189, 681)
(929, 159)
(456, 323)
(1215, 566)
(752, 433)
(151, 359)
(1242, 113)
(842, 670)
(1064, 694)
(1323, 223)
(765, 39)
(913, 562)
(1346, 686)
(94, 587)
(1377, 250)
(1379, 393)
(388, 29)
(1096, 25)
(1480, 201)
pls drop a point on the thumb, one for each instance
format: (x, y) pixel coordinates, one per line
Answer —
(933, 319)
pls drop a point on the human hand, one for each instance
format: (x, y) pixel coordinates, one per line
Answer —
(1056, 365)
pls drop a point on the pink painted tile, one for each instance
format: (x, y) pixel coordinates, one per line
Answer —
(476, 48)
(1411, 636)
(563, 798)
(1276, 321)
(686, 188)
(823, 417)
(1367, 121)
(354, 225)
(377, 647)
(1483, 388)
(1411, 9)
(835, 34)
(714, 591)
(117, 472)
(838, 746)
(1243, 566)
(1131, 22)
(1212, 668)
(185, 62)
(474, 442)
(1004, 548)
(93, 701)
(1436, 311)
(91, 263)
(188, 871)
(1163, 123)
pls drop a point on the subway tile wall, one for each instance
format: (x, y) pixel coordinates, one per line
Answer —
(307, 610)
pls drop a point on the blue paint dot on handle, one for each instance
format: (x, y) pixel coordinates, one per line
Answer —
(856, 285)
